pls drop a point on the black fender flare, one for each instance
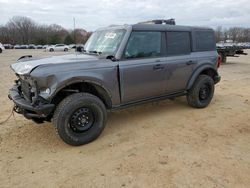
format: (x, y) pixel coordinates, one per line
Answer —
(198, 71)
(108, 95)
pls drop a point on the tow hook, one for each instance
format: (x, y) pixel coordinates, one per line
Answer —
(17, 109)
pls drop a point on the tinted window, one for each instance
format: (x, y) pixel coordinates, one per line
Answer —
(178, 43)
(143, 44)
(205, 40)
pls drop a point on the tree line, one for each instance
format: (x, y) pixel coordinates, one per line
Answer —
(23, 30)
(236, 34)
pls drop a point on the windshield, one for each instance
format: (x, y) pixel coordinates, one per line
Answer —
(105, 41)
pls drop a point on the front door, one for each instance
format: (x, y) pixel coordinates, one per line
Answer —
(142, 70)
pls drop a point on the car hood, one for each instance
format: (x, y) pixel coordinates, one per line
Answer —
(27, 63)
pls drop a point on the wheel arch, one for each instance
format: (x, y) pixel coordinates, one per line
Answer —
(87, 86)
(205, 69)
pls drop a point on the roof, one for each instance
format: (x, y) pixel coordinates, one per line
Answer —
(164, 27)
(155, 27)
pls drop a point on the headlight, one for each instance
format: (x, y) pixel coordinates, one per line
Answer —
(45, 91)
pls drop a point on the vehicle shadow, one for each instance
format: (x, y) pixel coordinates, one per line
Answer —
(117, 119)
(44, 135)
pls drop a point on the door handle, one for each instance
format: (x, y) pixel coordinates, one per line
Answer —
(158, 67)
(191, 62)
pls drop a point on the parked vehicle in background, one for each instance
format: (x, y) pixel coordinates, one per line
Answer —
(80, 47)
(8, 46)
(1, 48)
(24, 46)
(72, 46)
(230, 49)
(17, 46)
(39, 46)
(31, 46)
(45, 46)
(58, 47)
(120, 66)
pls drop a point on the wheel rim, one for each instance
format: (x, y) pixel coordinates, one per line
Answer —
(81, 120)
(205, 92)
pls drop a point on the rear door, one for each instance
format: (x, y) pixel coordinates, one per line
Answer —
(180, 60)
(142, 69)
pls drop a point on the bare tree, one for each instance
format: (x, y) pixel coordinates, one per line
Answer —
(23, 28)
(218, 34)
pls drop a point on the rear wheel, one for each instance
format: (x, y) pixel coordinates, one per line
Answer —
(80, 118)
(51, 50)
(201, 93)
(1, 50)
(66, 49)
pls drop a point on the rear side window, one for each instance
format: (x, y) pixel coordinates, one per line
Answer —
(143, 44)
(178, 43)
(204, 40)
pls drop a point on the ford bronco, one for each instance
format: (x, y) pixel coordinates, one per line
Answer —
(119, 67)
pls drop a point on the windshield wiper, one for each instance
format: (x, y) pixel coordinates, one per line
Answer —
(95, 52)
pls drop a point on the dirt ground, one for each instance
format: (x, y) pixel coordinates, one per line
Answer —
(161, 144)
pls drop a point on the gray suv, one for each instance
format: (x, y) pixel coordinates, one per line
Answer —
(120, 66)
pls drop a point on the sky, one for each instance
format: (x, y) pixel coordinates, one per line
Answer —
(92, 14)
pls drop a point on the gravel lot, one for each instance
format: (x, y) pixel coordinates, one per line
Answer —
(160, 144)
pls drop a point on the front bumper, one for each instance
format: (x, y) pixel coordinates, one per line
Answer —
(28, 110)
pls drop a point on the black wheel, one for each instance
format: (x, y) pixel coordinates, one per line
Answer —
(51, 50)
(1, 50)
(66, 49)
(80, 118)
(202, 92)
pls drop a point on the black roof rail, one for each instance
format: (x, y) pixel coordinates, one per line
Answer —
(163, 22)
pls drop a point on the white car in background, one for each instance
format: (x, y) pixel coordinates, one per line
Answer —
(58, 47)
(1, 48)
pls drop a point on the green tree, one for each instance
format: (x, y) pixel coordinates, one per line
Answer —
(54, 39)
(68, 39)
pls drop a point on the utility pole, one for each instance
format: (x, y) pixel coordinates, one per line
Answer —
(74, 30)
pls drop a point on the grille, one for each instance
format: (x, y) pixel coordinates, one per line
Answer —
(25, 88)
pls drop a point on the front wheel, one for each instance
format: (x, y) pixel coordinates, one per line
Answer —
(1, 50)
(202, 92)
(80, 118)
(65, 49)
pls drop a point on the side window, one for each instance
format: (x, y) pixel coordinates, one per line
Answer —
(205, 40)
(143, 44)
(178, 43)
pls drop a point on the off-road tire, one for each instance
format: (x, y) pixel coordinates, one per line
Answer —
(68, 107)
(194, 98)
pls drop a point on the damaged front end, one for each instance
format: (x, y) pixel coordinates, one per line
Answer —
(27, 101)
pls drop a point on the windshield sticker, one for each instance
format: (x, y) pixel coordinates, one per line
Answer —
(110, 35)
